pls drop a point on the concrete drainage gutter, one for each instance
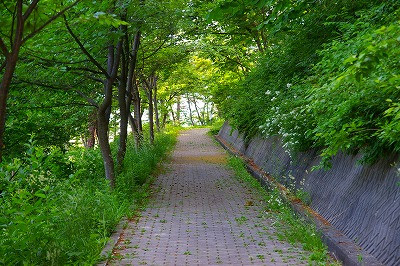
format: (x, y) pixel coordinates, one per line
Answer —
(339, 245)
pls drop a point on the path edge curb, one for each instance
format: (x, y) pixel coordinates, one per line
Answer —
(339, 245)
(111, 243)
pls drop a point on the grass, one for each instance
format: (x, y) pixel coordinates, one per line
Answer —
(68, 218)
(215, 127)
(290, 227)
(241, 220)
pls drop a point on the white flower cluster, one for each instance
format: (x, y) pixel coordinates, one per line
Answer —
(287, 125)
(275, 199)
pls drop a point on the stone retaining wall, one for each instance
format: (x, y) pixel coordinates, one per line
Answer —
(361, 201)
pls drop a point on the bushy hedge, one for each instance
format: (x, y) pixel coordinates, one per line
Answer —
(58, 208)
(330, 81)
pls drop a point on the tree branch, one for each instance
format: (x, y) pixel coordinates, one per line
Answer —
(85, 69)
(221, 33)
(55, 106)
(235, 61)
(2, 66)
(19, 31)
(156, 50)
(145, 82)
(50, 86)
(3, 48)
(89, 77)
(56, 61)
(6, 8)
(83, 49)
(50, 20)
(45, 85)
(87, 98)
(30, 9)
(12, 27)
(172, 96)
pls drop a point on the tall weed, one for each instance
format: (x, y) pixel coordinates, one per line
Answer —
(58, 208)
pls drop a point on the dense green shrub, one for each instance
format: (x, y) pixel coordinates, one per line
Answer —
(330, 81)
(57, 208)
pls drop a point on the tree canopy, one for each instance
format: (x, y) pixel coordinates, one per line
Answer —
(79, 77)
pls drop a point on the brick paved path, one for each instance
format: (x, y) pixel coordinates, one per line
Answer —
(199, 215)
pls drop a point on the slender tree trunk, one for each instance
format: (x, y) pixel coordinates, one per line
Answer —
(137, 107)
(197, 111)
(258, 42)
(90, 139)
(178, 110)
(102, 134)
(137, 114)
(156, 105)
(173, 115)
(133, 124)
(123, 112)
(208, 112)
(133, 91)
(212, 112)
(11, 64)
(190, 110)
(164, 120)
(135, 131)
(103, 113)
(203, 113)
(151, 109)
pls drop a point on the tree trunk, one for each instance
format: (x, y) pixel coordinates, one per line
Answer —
(135, 131)
(102, 134)
(212, 112)
(103, 112)
(11, 63)
(190, 110)
(258, 42)
(203, 113)
(123, 112)
(151, 110)
(173, 115)
(178, 110)
(208, 112)
(90, 139)
(11, 57)
(137, 107)
(132, 88)
(155, 103)
(137, 114)
(197, 111)
(164, 120)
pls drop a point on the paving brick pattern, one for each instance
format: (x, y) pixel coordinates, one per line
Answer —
(201, 215)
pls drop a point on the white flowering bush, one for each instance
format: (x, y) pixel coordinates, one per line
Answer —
(289, 118)
(332, 86)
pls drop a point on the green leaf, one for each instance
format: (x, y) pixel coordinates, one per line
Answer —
(40, 195)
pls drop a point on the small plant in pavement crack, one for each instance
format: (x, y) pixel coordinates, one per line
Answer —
(289, 226)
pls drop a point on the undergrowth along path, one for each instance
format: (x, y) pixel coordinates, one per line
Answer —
(201, 215)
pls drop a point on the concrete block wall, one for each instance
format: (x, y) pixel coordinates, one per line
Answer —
(361, 201)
